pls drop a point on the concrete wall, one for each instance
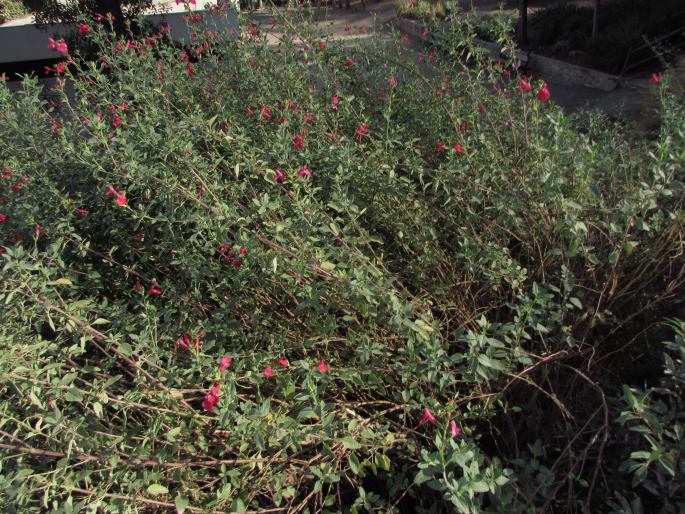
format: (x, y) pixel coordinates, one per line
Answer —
(22, 40)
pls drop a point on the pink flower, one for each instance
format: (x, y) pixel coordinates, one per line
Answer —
(454, 429)
(38, 230)
(280, 176)
(304, 171)
(266, 113)
(268, 372)
(308, 118)
(335, 101)
(60, 67)
(298, 141)
(82, 212)
(544, 94)
(458, 148)
(121, 199)
(283, 362)
(224, 364)
(427, 416)
(393, 81)
(198, 344)
(424, 32)
(349, 61)
(211, 399)
(116, 120)
(405, 38)
(439, 148)
(189, 69)
(361, 131)
(183, 341)
(83, 28)
(154, 290)
(59, 46)
(3, 218)
(656, 78)
(323, 367)
(524, 86)
(138, 286)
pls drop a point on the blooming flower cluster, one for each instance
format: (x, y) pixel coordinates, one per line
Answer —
(429, 417)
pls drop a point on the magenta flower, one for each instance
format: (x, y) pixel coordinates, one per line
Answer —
(335, 101)
(83, 28)
(211, 399)
(304, 171)
(224, 364)
(280, 176)
(268, 372)
(58, 46)
(361, 131)
(3, 218)
(38, 230)
(82, 212)
(121, 199)
(427, 416)
(656, 78)
(440, 148)
(323, 367)
(458, 148)
(283, 362)
(454, 429)
(154, 290)
(298, 141)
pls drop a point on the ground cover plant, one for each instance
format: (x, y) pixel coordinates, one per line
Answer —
(300, 276)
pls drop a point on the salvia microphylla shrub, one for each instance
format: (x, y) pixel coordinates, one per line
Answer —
(293, 275)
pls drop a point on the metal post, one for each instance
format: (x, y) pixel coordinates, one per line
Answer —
(523, 23)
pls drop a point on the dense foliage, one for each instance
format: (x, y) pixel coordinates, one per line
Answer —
(302, 276)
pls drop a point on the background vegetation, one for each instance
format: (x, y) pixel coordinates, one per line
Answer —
(315, 277)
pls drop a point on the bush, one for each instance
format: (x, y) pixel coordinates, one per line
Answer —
(10, 9)
(315, 276)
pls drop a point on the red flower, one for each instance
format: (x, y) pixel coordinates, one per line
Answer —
(183, 341)
(347, 28)
(349, 61)
(211, 399)
(656, 78)
(243, 251)
(224, 364)
(154, 290)
(82, 212)
(544, 94)
(427, 416)
(361, 131)
(405, 38)
(335, 101)
(116, 120)
(458, 148)
(280, 176)
(268, 372)
(439, 148)
(83, 28)
(283, 362)
(189, 69)
(137, 286)
(322, 45)
(424, 32)
(304, 171)
(524, 86)
(298, 141)
(2, 250)
(59, 46)
(393, 81)
(3, 218)
(266, 113)
(121, 199)
(60, 67)
(454, 429)
(323, 367)
(38, 230)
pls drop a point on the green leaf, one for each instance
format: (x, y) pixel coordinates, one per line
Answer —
(181, 503)
(157, 489)
(125, 349)
(350, 443)
(328, 265)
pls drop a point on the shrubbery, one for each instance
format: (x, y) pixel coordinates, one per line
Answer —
(310, 276)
